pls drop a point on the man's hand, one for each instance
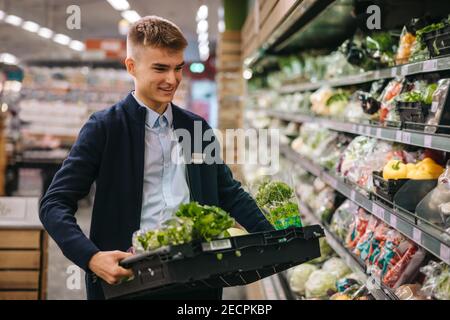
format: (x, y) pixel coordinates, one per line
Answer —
(105, 264)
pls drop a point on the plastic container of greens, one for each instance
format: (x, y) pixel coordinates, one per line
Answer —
(221, 263)
(438, 41)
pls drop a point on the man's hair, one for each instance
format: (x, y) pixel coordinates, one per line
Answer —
(157, 32)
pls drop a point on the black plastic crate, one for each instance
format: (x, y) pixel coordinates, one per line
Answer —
(413, 114)
(438, 41)
(386, 188)
(221, 263)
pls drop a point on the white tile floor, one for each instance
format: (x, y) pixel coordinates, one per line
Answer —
(63, 274)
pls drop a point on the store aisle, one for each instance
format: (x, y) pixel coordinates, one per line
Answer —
(60, 272)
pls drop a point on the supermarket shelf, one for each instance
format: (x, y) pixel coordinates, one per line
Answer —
(300, 14)
(273, 289)
(416, 233)
(432, 141)
(378, 291)
(438, 64)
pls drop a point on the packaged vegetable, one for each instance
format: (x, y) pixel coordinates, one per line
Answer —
(437, 281)
(435, 207)
(365, 245)
(388, 111)
(320, 284)
(342, 219)
(209, 222)
(438, 101)
(357, 228)
(404, 49)
(175, 231)
(278, 201)
(298, 277)
(337, 267)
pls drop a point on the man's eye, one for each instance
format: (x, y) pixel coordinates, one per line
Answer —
(179, 69)
(160, 69)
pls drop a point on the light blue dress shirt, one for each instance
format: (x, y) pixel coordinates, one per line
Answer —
(165, 185)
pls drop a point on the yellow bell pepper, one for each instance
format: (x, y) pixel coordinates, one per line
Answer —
(419, 174)
(430, 166)
(395, 169)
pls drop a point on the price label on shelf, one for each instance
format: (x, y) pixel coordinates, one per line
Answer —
(427, 141)
(393, 72)
(377, 211)
(354, 128)
(404, 70)
(434, 106)
(445, 253)
(361, 129)
(368, 131)
(378, 132)
(417, 235)
(393, 220)
(430, 65)
(353, 195)
(377, 74)
(398, 136)
(406, 137)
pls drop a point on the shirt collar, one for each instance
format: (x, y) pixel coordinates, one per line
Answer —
(153, 116)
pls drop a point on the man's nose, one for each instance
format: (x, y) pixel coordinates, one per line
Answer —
(171, 77)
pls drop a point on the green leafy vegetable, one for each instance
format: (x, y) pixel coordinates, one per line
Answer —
(272, 193)
(209, 222)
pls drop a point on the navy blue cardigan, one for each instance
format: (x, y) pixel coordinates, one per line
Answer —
(110, 151)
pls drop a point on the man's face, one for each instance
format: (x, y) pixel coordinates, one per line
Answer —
(157, 73)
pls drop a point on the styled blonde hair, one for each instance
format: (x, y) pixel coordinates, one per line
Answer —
(155, 32)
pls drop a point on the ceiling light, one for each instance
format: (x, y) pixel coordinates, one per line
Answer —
(119, 5)
(30, 26)
(203, 44)
(202, 13)
(77, 45)
(2, 14)
(202, 26)
(197, 67)
(61, 39)
(14, 20)
(45, 33)
(131, 16)
(8, 58)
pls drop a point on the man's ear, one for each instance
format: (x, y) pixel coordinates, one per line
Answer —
(131, 66)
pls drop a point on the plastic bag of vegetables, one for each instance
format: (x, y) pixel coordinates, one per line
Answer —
(320, 284)
(337, 267)
(437, 281)
(279, 203)
(325, 252)
(298, 277)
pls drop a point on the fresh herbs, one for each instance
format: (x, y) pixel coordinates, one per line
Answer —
(209, 222)
(277, 201)
(192, 222)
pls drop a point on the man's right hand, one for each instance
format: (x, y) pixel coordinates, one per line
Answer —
(105, 264)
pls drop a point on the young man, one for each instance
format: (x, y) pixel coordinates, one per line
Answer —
(126, 150)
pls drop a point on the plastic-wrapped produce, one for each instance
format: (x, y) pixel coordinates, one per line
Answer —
(342, 219)
(337, 267)
(407, 40)
(410, 292)
(435, 207)
(437, 105)
(319, 101)
(298, 277)
(357, 228)
(321, 284)
(367, 243)
(437, 281)
(388, 111)
(325, 252)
